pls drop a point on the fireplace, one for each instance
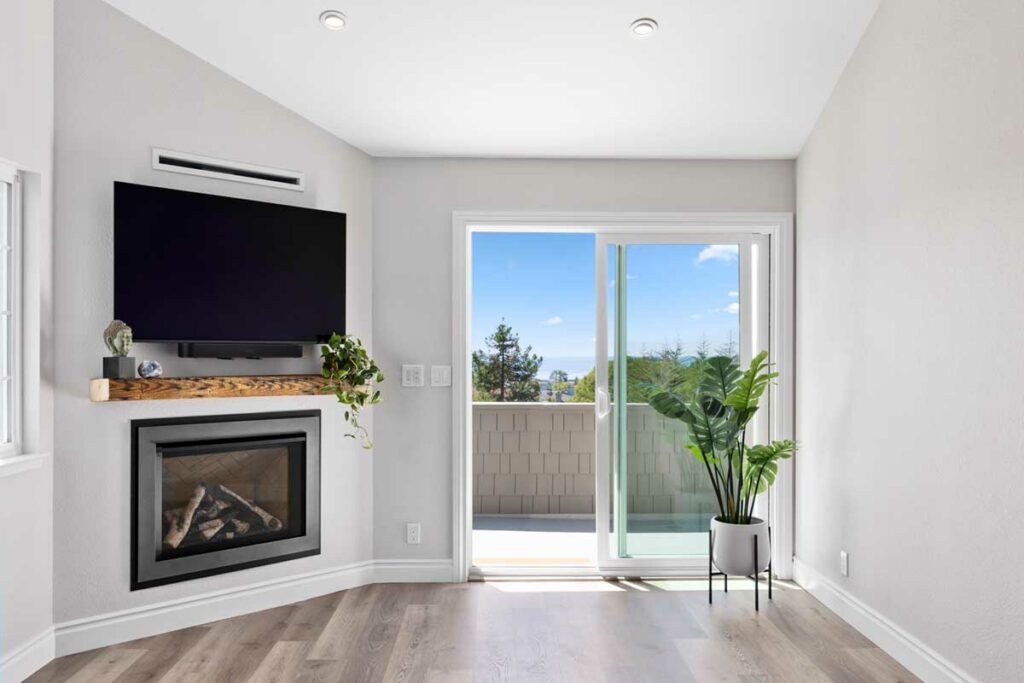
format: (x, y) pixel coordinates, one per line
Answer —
(215, 494)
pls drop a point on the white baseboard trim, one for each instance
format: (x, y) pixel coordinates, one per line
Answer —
(28, 658)
(921, 660)
(413, 571)
(118, 627)
(141, 622)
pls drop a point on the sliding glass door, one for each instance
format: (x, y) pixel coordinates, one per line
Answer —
(666, 303)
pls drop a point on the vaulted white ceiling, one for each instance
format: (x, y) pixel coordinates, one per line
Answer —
(534, 78)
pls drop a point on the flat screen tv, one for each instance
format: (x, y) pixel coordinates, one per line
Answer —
(191, 267)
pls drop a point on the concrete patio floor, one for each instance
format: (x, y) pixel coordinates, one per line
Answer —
(561, 541)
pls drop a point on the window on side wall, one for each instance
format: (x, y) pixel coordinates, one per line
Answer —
(10, 257)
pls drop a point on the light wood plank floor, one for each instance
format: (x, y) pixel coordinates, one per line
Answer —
(590, 631)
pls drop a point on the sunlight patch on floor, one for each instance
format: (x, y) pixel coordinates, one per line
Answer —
(636, 585)
(736, 583)
(580, 586)
(532, 561)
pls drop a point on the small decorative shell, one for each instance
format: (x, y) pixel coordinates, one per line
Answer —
(118, 338)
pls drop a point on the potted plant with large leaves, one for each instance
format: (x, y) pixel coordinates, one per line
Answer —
(351, 375)
(718, 414)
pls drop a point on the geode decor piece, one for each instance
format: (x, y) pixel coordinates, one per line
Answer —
(150, 369)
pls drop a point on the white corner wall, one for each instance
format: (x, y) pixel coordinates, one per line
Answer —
(910, 290)
(121, 89)
(26, 486)
(413, 201)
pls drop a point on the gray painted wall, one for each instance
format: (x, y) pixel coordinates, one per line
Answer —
(909, 334)
(121, 89)
(26, 140)
(413, 200)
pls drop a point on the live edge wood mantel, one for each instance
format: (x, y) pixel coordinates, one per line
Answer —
(102, 390)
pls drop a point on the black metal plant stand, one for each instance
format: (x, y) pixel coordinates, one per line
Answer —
(725, 577)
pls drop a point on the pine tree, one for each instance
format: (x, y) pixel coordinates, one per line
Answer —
(506, 372)
(729, 348)
(703, 349)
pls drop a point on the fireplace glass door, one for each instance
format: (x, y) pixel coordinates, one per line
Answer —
(224, 495)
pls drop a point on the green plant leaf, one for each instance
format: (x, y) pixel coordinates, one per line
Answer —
(350, 371)
(711, 433)
(745, 397)
(720, 375)
(699, 454)
(716, 404)
(671, 405)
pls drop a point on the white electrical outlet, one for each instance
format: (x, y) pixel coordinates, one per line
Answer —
(412, 533)
(412, 375)
(440, 375)
(844, 563)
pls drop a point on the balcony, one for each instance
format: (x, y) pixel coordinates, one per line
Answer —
(534, 482)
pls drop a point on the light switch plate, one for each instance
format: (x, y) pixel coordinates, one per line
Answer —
(412, 375)
(440, 375)
(844, 563)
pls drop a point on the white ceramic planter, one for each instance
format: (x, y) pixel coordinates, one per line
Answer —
(732, 547)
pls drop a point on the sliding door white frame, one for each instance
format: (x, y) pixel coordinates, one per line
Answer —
(755, 333)
(778, 227)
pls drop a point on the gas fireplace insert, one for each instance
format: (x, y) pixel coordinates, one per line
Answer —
(215, 494)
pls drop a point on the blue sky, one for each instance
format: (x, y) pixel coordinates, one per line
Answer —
(542, 284)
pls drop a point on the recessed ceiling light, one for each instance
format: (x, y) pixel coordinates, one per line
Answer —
(641, 28)
(333, 19)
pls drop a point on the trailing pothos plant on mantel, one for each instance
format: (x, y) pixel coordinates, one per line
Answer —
(351, 375)
(718, 414)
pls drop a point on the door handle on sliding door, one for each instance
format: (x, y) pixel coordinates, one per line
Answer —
(603, 407)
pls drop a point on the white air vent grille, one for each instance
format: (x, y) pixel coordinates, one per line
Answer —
(194, 164)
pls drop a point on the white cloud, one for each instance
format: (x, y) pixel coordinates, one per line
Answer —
(553, 320)
(733, 308)
(734, 294)
(695, 316)
(719, 252)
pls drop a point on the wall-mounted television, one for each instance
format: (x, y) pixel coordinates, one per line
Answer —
(224, 276)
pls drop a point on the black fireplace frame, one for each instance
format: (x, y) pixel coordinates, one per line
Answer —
(146, 570)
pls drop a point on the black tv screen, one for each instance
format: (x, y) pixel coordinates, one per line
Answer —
(198, 267)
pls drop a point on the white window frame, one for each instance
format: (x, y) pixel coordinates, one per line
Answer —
(779, 228)
(9, 174)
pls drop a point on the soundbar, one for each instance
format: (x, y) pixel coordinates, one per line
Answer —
(239, 350)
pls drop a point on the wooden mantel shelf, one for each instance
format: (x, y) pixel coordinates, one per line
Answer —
(140, 389)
